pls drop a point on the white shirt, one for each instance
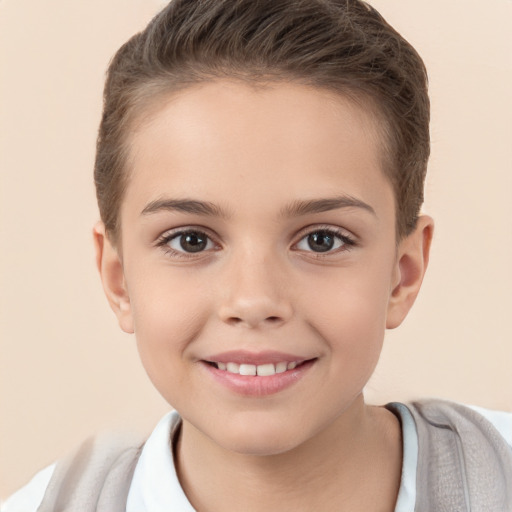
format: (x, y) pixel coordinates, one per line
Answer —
(155, 486)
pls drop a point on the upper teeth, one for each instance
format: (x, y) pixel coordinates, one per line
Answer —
(260, 369)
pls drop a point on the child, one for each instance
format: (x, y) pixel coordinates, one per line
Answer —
(259, 173)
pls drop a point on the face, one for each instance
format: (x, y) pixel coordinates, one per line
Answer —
(258, 237)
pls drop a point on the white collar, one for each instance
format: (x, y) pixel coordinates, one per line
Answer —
(407, 493)
(155, 485)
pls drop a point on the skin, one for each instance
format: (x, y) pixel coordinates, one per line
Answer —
(259, 285)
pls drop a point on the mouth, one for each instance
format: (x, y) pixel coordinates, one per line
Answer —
(260, 370)
(257, 375)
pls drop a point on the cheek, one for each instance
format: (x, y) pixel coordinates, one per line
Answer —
(165, 300)
(349, 311)
(168, 314)
(353, 331)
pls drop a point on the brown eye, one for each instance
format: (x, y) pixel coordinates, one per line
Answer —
(321, 241)
(324, 240)
(190, 241)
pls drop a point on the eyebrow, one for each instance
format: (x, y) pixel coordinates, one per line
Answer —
(298, 208)
(295, 209)
(184, 205)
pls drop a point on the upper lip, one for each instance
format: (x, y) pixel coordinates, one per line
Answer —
(256, 358)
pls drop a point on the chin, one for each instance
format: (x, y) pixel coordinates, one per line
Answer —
(261, 438)
(262, 447)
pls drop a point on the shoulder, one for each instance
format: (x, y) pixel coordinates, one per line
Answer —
(501, 420)
(463, 418)
(464, 456)
(102, 469)
(29, 497)
(79, 476)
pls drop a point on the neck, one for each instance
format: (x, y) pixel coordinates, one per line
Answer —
(354, 464)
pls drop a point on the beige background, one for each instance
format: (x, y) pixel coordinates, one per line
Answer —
(67, 371)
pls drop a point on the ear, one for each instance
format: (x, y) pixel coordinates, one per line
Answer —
(411, 265)
(110, 267)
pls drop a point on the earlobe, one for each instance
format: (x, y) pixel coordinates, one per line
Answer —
(110, 267)
(412, 260)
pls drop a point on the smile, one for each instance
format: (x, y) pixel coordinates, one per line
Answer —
(261, 370)
(257, 375)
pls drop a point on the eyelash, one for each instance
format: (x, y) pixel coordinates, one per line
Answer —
(169, 236)
(347, 242)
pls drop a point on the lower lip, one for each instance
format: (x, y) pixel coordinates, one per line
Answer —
(252, 385)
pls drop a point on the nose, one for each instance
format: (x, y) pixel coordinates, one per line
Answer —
(256, 294)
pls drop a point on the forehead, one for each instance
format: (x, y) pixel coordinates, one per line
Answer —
(224, 139)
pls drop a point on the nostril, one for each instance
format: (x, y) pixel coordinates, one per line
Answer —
(235, 320)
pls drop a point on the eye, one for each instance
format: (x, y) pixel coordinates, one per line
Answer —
(190, 241)
(324, 240)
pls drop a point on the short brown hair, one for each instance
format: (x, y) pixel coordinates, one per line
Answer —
(342, 45)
